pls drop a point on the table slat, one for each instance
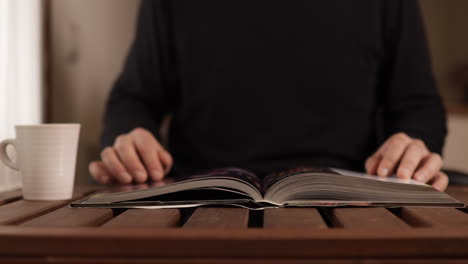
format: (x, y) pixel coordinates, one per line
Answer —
(72, 217)
(366, 218)
(234, 243)
(459, 192)
(10, 196)
(434, 217)
(146, 218)
(219, 218)
(293, 218)
(227, 260)
(24, 210)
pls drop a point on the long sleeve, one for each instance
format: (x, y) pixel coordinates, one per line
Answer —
(139, 97)
(411, 101)
(249, 90)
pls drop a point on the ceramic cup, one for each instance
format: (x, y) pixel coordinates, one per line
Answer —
(46, 159)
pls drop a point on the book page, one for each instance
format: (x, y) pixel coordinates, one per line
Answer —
(237, 173)
(343, 187)
(224, 183)
(274, 177)
(391, 178)
(233, 172)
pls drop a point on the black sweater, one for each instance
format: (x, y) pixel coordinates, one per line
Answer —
(270, 84)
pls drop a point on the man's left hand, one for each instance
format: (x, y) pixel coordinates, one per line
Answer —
(408, 158)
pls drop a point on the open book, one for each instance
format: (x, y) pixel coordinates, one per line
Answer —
(300, 187)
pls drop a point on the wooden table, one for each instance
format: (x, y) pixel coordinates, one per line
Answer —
(51, 232)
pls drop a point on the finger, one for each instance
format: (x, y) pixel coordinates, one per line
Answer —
(99, 172)
(127, 153)
(392, 153)
(430, 167)
(372, 163)
(166, 160)
(147, 148)
(115, 166)
(440, 181)
(412, 157)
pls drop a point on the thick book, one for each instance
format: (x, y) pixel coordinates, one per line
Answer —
(298, 187)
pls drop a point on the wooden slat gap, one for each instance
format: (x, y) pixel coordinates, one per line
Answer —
(185, 214)
(327, 216)
(256, 218)
(464, 210)
(11, 200)
(118, 211)
(10, 196)
(435, 217)
(410, 219)
(72, 217)
(367, 218)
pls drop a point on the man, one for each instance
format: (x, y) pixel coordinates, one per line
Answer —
(271, 84)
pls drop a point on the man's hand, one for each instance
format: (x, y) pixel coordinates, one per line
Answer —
(136, 156)
(408, 158)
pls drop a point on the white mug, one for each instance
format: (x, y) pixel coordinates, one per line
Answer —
(46, 159)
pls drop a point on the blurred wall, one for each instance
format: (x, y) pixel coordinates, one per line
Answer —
(446, 23)
(89, 40)
(456, 146)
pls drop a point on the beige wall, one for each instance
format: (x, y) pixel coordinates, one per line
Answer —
(456, 147)
(447, 23)
(90, 39)
(89, 42)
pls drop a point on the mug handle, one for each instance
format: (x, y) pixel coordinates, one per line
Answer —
(4, 156)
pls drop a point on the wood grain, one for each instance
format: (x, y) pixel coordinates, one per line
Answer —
(145, 218)
(367, 218)
(220, 235)
(233, 242)
(227, 260)
(293, 218)
(459, 192)
(72, 217)
(218, 218)
(434, 217)
(23, 210)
